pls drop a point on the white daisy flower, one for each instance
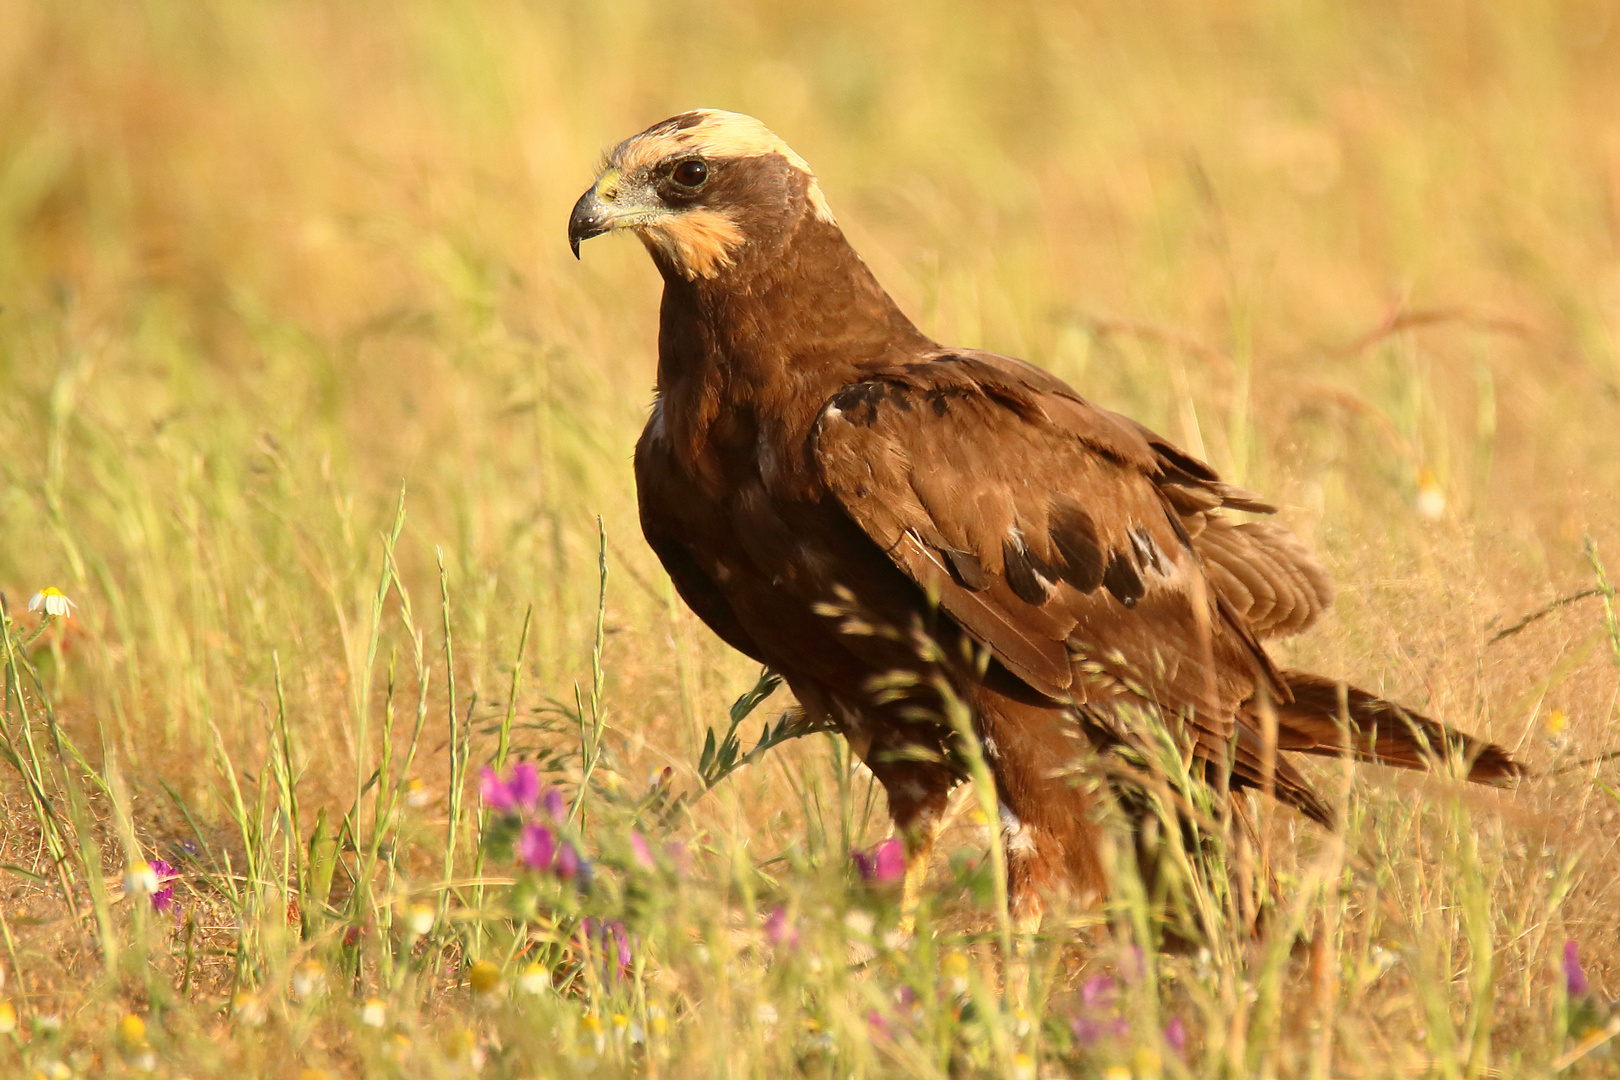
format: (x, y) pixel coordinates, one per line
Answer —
(308, 980)
(1431, 497)
(51, 601)
(535, 979)
(141, 880)
(420, 919)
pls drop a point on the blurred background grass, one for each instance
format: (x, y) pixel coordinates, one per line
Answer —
(263, 265)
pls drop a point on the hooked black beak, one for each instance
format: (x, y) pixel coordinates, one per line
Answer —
(590, 218)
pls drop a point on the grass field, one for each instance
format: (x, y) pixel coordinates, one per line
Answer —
(306, 407)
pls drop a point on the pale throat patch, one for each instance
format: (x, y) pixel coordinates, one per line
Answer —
(698, 242)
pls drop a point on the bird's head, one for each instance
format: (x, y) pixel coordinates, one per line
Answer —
(699, 189)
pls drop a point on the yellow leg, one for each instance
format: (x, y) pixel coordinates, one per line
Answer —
(919, 846)
(911, 886)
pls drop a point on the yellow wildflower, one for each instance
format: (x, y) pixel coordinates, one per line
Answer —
(132, 1031)
(955, 968)
(460, 1044)
(484, 977)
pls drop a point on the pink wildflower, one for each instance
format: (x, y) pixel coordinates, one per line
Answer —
(536, 846)
(1175, 1036)
(1098, 991)
(163, 898)
(614, 940)
(1097, 1020)
(884, 864)
(514, 793)
(640, 850)
(568, 862)
(1575, 983)
(779, 931)
(1090, 1029)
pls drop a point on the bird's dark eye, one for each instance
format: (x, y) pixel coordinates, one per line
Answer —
(690, 173)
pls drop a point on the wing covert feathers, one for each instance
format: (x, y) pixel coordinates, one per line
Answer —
(1047, 529)
(1265, 573)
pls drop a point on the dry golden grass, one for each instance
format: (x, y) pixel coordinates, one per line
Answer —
(263, 266)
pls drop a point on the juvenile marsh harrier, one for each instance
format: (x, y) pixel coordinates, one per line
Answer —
(892, 524)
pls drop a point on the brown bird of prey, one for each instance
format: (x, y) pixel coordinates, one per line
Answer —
(902, 529)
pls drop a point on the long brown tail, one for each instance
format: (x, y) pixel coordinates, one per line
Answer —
(1380, 731)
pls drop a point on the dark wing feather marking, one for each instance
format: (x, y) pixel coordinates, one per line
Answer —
(967, 569)
(1121, 579)
(1074, 535)
(1027, 575)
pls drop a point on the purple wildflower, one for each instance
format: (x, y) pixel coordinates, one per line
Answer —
(556, 807)
(1175, 1036)
(1090, 1030)
(621, 944)
(1097, 1020)
(1098, 991)
(640, 850)
(163, 898)
(492, 791)
(525, 784)
(878, 1026)
(568, 862)
(779, 931)
(516, 792)
(882, 865)
(614, 940)
(536, 846)
(1574, 975)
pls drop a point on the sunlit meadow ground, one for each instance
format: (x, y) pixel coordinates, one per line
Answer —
(264, 267)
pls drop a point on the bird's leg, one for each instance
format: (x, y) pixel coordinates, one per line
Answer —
(1027, 917)
(1031, 854)
(920, 803)
(930, 821)
(919, 846)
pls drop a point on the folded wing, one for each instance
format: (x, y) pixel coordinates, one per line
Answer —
(1043, 526)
